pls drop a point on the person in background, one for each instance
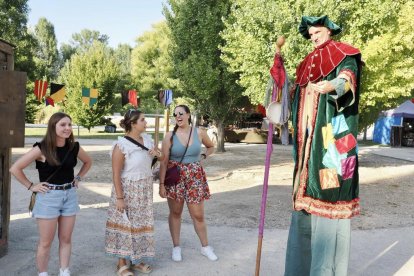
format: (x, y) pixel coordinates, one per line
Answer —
(130, 224)
(325, 178)
(192, 187)
(56, 199)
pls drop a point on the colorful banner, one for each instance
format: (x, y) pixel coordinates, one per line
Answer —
(89, 96)
(57, 92)
(40, 89)
(49, 101)
(129, 96)
(164, 97)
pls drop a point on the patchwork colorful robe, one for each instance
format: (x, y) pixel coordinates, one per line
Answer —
(325, 178)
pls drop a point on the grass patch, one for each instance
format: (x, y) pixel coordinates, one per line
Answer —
(83, 133)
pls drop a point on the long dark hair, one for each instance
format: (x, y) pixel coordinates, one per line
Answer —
(130, 117)
(48, 144)
(187, 110)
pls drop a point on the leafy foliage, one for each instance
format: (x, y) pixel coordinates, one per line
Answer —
(152, 68)
(195, 34)
(13, 29)
(380, 28)
(81, 42)
(46, 55)
(96, 67)
(388, 78)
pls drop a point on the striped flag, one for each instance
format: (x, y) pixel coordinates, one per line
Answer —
(90, 96)
(40, 89)
(57, 92)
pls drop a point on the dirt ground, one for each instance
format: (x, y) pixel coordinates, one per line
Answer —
(236, 179)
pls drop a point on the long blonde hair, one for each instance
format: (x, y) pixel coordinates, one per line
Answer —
(48, 144)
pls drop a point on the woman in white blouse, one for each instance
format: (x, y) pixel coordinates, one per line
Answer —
(130, 224)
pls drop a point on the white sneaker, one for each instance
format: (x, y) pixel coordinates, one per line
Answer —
(176, 254)
(208, 251)
(43, 274)
(64, 272)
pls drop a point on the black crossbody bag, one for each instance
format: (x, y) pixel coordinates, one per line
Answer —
(154, 160)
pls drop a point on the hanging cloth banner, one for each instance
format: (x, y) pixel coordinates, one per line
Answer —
(49, 101)
(89, 96)
(129, 96)
(40, 89)
(168, 97)
(124, 97)
(132, 97)
(57, 92)
(164, 97)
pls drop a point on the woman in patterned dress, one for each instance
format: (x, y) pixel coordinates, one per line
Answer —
(130, 224)
(192, 187)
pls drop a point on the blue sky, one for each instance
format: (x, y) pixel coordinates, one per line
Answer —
(122, 20)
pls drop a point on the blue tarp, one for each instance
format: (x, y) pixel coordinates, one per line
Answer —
(382, 129)
(389, 118)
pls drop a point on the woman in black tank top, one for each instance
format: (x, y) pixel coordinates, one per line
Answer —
(56, 199)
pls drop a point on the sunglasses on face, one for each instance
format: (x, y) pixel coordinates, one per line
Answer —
(178, 113)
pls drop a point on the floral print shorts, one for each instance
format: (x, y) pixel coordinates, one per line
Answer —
(192, 186)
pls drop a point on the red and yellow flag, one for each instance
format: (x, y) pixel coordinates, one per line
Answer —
(40, 89)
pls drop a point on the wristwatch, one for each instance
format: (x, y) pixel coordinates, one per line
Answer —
(78, 178)
(204, 155)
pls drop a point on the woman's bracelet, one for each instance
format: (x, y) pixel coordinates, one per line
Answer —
(78, 178)
(119, 198)
(31, 185)
(204, 155)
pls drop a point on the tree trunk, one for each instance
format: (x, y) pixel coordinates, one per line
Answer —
(364, 138)
(220, 136)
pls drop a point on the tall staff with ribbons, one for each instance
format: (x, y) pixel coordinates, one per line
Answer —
(277, 112)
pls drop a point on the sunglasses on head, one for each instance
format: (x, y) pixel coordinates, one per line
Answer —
(130, 112)
(178, 113)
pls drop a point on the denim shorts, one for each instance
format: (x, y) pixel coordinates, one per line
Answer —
(55, 203)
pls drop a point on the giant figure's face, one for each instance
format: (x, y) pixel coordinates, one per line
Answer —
(319, 35)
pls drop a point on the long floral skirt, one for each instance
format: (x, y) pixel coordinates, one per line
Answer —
(132, 238)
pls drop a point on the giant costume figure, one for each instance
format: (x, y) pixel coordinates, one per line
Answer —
(325, 179)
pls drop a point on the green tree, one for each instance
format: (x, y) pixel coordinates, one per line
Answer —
(151, 64)
(94, 68)
(388, 77)
(122, 55)
(13, 29)
(253, 27)
(81, 42)
(46, 55)
(195, 34)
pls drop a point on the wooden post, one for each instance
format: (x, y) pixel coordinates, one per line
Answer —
(12, 107)
(157, 130)
(166, 121)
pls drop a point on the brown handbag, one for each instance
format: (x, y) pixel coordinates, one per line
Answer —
(172, 174)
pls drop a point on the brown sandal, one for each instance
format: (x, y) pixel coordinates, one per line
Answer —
(124, 271)
(142, 267)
